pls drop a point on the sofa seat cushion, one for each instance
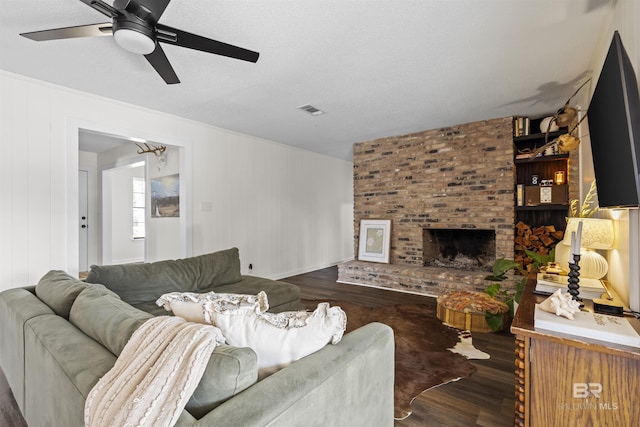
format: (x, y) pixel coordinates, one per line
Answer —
(59, 290)
(151, 308)
(139, 283)
(282, 296)
(278, 338)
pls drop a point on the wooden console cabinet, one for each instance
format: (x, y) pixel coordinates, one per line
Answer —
(564, 380)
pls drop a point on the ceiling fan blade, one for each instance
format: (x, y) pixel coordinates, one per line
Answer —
(181, 38)
(102, 7)
(159, 61)
(147, 10)
(92, 30)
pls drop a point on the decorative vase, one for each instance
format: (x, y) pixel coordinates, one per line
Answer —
(544, 125)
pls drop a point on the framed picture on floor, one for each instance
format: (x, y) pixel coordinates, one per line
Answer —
(375, 239)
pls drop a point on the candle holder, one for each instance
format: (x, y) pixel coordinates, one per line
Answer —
(574, 278)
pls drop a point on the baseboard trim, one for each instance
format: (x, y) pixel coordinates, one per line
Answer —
(309, 269)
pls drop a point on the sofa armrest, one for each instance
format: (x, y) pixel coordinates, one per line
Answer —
(350, 383)
(17, 307)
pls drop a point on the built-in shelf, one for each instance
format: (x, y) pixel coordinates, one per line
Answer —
(543, 158)
(530, 175)
(539, 136)
(546, 207)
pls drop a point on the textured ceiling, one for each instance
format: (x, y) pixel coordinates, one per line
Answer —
(378, 68)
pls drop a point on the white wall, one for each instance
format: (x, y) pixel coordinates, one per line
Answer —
(163, 234)
(119, 202)
(288, 211)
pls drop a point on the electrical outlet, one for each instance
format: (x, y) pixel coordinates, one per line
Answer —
(206, 206)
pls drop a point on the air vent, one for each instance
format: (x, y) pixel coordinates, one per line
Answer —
(311, 110)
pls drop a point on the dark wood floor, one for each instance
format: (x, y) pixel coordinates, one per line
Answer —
(10, 415)
(486, 398)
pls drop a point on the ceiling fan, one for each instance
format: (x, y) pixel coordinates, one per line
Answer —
(134, 26)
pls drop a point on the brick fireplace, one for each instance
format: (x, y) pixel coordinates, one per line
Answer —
(449, 194)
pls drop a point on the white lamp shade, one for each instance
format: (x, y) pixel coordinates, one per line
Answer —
(597, 233)
(592, 264)
(134, 41)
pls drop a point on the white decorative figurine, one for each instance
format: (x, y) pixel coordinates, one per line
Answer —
(561, 304)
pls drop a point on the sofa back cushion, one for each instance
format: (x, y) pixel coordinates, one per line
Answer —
(103, 316)
(59, 290)
(139, 283)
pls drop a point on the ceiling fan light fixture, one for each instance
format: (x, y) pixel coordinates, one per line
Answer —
(134, 41)
(135, 28)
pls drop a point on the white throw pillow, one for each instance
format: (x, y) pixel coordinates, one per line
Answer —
(277, 338)
(191, 306)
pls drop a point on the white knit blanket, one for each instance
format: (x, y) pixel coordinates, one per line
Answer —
(154, 376)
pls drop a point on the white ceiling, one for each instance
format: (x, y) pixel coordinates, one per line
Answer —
(378, 68)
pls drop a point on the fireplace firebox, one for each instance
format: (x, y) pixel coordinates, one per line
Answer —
(465, 249)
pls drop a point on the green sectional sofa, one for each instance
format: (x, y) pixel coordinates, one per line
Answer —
(59, 337)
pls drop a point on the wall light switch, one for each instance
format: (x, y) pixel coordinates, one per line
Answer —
(206, 206)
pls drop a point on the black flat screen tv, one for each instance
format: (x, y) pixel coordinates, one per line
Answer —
(614, 128)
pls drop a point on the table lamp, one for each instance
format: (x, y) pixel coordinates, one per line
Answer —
(596, 233)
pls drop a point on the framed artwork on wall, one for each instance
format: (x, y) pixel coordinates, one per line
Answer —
(165, 196)
(375, 239)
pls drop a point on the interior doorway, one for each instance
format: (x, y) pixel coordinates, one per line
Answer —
(181, 239)
(164, 238)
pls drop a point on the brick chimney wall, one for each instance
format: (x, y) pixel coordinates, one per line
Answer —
(461, 177)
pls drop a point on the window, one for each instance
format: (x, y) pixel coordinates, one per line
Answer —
(138, 207)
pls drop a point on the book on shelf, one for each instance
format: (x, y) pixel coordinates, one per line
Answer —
(521, 126)
(589, 288)
(601, 327)
(520, 195)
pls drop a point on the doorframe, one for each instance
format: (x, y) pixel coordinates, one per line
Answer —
(84, 197)
(185, 148)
